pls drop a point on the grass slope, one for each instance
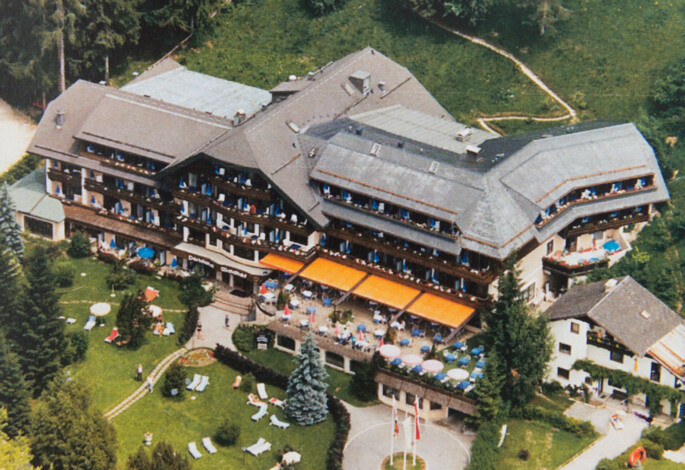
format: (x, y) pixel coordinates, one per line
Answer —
(182, 421)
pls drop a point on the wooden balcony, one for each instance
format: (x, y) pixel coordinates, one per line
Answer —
(65, 178)
(568, 205)
(427, 260)
(243, 216)
(603, 225)
(594, 339)
(140, 170)
(157, 203)
(240, 189)
(573, 270)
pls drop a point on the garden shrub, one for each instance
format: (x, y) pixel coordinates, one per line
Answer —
(248, 383)
(524, 454)
(245, 337)
(53, 250)
(551, 388)
(671, 438)
(23, 167)
(79, 246)
(79, 340)
(654, 451)
(484, 448)
(609, 464)
(227, 433)
(192, 292)
(64, 274)
(121, 276)
(143, 267)
(363, 385)
(107, 257)
(557, 419)
(174, 378)
(189, 325)
(282, 300)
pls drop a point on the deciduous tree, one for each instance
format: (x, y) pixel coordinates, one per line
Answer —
(67, 433)
(307, 401)
(545, 13)
(134, 318)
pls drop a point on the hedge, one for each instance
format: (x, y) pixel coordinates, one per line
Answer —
(484, 449)
(337, 409)
(671, 438)
(654, 451)
(633, 385)
(189, 325)
(556, 419)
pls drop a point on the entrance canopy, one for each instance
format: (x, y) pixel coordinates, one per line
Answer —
(440, 310)
(332, 274)
(282, 263)
(386, 292)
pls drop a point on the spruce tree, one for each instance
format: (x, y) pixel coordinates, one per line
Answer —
(10, 274)
(10, 231)
(38, 333)
(14, 395)
(67, 433)
(133, 319)
(487, 393)
(520, 339)
(306, 390)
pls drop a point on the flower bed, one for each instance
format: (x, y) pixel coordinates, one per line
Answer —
(197, 358)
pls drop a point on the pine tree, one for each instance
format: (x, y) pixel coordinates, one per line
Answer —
(133, 318)
(488, 399)
(306, 390)
(10, 231)
(520, 339)
(37, 331)
(10, 273)
(165, 458)
(67, 433)
(14, 395)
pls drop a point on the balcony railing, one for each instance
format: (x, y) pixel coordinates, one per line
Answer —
(241, 189)
(568, 205)
(601, 341)
(138, 169)
(427, 260)
(139, 223)
(573, 270)
(603, 225)
(395, 218)
(64, 177)
(244, 216)
(119, 193)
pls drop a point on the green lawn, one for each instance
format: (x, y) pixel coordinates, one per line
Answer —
(338, 382)
(549, 447)
(181, 422)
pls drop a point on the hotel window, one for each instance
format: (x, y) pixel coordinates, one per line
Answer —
(550, 247)
(655, 373)
(563, 373)
(391, 392)
(564, 348)
(616, 356)
(575, 327)
(528, 293)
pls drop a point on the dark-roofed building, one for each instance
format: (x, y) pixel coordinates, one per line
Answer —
(353, 168)
(620, 325)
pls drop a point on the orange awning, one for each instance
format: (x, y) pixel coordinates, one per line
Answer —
(282, 263)
(330, 273)
(440, 310)
(386, 292)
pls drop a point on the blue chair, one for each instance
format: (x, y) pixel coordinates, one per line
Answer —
(425, 349)
(361, 327)
(437, 339)
(458, 345)
(404, 342)
(464, 361)
(476, 375)
(463, 385)
(417, 369)
(480, 364)
(476, 351)
(327, 302)
(440, 376)
(396, 362)
(450, 358)
(416, 332)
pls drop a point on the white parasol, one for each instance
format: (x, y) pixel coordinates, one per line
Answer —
(100, 309)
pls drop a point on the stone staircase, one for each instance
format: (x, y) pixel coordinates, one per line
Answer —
(224, 300)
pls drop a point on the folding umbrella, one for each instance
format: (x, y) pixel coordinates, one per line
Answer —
(174, 263)
(286, 312)
(432, 365)
(425, 349)
(390, 351)
(412, 359)
(263, 290)
(112, 244)
(458, 374)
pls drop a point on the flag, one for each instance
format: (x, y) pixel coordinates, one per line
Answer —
(406, 424)
(262, 290)
(286, 312)
(382, 342)
(395, 420)
(416, 418)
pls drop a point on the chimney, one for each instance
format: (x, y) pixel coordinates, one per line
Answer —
(239, 117)
(381, 86)
(59, 118)
(361, 79)
(610, 285)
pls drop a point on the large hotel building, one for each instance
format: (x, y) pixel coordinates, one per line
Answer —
(353, 176)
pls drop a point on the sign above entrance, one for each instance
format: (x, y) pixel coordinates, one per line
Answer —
(201, 261)
(235, 272)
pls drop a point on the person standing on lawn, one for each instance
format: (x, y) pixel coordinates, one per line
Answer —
(139, 371)
(149, 382)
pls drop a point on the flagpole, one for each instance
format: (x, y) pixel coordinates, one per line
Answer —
(416, 423)
(405, 440)
(392, 431)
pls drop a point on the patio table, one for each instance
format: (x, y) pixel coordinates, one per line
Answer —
(294, 303)
(311, 309)
(459, 345)
(425, 348)
(396, 362)
(450, 358)
(463, 385)
(327, 302)
(289, 288)
(437, 339)
(361, 344)
(416, 332)
(307, 294)
(304, 323)
(269, 297)
(404, 342)
(323, 330)
(440, 376)
(395, 325)
(379, 333)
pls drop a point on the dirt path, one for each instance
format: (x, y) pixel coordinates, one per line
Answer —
(570, 112)
(16, 132)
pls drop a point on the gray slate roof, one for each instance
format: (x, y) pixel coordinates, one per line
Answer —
(29, 197)
(619, 311)
(198, 91)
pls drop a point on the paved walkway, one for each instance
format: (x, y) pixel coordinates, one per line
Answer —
(571, 113)
(613, 442)
(442, 447)
(214, 329)
(143, 389)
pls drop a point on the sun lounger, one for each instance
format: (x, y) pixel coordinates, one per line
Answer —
(90, 323)
(276, 402)
(290, 458)
(274, 421)
(113, 335)
(203, 384)
(207, 443)
(258, 447)
(197, 378)
(71, 321)
(238, 380)
(150, 294)
(261, 390)
(254, 401)
(169, 329)
(192, 448)
(260, 414)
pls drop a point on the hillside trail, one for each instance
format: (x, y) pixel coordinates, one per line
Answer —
(571, 113)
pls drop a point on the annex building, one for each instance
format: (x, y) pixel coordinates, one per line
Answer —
(353, 177)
